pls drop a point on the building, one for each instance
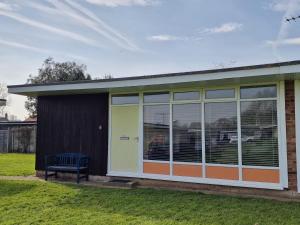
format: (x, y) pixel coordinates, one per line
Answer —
(230, 129)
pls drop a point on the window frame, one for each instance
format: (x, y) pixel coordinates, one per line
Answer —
(240, 100)
(282, 167)
(124, 94)
(171, 141)
(217, 89)
(188, 100)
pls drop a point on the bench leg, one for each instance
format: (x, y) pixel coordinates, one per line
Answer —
(87, 175)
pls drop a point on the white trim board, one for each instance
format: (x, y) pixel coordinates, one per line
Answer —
(233, 183)
(297, 129)
(270, 73)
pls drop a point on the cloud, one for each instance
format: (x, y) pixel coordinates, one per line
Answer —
(167, 37)
(8, 7)
(19, 45)
(283, 5)
(104, 29)
(223, 28)
(288, 41)
(43, 26)
(289, 8)
(22, 46)
(163, 37)
(116, 3)
(87, 18)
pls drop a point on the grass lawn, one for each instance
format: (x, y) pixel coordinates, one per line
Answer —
(37, 202)
(16, 164)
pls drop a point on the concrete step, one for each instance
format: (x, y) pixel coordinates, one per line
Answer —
(112, 183)
(120, 183)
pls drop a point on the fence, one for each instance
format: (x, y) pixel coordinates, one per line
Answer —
(3, 140)
(17, 137)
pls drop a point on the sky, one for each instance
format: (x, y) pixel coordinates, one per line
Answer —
(140, 37)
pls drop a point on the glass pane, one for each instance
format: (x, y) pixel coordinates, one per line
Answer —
(187, 145)
(156, 132)
(192, 95)
(259, 133)
(125, 99)
(221, 139)
(259, 92)
(224, 93)
(156, 98)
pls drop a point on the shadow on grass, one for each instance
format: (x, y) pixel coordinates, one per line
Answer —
(10, 188)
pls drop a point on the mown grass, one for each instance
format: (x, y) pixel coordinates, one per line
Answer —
(37, 202)
(16, 164)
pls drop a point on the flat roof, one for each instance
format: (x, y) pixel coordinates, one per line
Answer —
(104, 85)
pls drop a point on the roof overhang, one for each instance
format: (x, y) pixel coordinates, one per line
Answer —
(250, 74)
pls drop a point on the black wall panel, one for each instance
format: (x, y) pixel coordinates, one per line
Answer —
(74, 123)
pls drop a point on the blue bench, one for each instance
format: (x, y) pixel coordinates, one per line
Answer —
(68, 163)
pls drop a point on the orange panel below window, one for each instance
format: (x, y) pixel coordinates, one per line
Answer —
(222, 172)
(261, 175)
(187, 170)
(157, 168)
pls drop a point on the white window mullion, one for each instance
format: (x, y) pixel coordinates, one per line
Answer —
(239, 132)
(171, 135)
(203, 139)
(141, 134)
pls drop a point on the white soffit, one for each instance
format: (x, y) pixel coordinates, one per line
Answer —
(265, 74)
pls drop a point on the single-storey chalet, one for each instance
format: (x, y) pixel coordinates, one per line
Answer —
(218, 129)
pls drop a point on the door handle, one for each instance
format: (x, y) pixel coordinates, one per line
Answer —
(136, 138)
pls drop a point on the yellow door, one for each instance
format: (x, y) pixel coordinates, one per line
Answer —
(124, 138)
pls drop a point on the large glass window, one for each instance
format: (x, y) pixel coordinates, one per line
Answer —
(191, 95)
(125, 99)
(258, 120)
(156, 98)
(187, 144)
(258, 92)
(220, 93)
(156, 132)
(221, 137)
(259, 133)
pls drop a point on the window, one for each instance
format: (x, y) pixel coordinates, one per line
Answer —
(156, 132)
(221, 138)
(259, 133)
(259, 92)
(192, 95)
(125, 99)
(156, 98)
(221, 93)
(187, 146)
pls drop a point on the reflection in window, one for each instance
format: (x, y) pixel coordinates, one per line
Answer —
(125, 99)
(221, 138)
(187, 133)
(259, 92)
(191, 95)
(156, 97)
(259, 133)
(156, 132)
(220, 93)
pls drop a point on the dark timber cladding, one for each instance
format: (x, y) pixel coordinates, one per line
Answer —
(74, 123)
